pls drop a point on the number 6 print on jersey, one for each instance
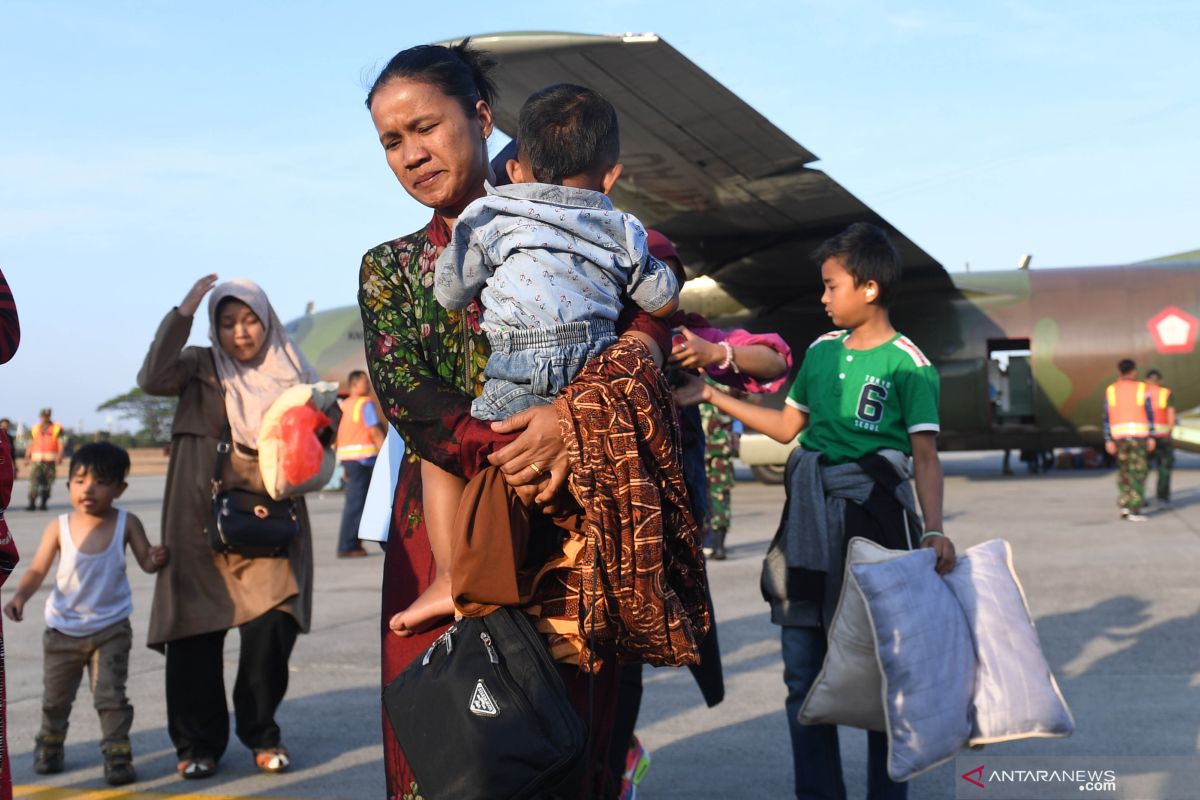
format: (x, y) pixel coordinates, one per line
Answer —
(870, 406)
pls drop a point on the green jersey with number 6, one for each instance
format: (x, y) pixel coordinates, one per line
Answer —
(862, 401)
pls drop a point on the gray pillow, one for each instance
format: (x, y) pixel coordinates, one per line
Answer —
(926, 657)
(937, 663)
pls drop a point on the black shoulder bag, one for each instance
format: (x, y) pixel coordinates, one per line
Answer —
(248, 523)
(485, 714)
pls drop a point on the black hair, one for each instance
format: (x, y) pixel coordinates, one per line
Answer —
(104, 460)
(224, 303)
(1126, 365)
(566, 130)
(1153, 373)
(458, 71)
(355, 375)
(868, 255)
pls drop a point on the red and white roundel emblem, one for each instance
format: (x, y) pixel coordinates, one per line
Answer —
(1174, 330)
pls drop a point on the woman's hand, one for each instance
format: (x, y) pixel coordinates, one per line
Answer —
(529, 494)
(695, 353)
(191, 301)
(538, 451)
(691, 389)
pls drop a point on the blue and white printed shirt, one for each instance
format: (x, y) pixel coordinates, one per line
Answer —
(548, 255)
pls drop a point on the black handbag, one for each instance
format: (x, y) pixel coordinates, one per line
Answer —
(485, 715)
(248, 523)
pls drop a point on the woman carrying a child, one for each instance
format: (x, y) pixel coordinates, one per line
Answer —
(430, 106)
(202, 594)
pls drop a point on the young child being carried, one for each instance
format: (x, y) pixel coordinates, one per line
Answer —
(87, 613)
(865, 400)
(554, 262)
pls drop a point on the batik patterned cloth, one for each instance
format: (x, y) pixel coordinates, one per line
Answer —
(8, 560)
(1132, 466)
(645, 593)
(10, 338)
(10, 323)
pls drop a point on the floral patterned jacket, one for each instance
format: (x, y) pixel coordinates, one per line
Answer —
(426, 363)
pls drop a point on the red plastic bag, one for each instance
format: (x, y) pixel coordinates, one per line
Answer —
(302, 451)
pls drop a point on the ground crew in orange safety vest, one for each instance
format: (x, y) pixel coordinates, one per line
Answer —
(45, 451)
(360, 435)
(1163, 456)
(1129, 435)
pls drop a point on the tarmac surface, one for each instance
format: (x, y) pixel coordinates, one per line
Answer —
(1117, 607)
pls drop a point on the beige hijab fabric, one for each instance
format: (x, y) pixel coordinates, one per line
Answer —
(251, 386)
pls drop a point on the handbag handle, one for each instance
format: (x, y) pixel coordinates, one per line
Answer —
(224, 445)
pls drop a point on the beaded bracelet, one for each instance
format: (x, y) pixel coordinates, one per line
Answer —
(728, 362)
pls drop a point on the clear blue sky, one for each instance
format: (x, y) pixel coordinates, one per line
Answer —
(145, 144)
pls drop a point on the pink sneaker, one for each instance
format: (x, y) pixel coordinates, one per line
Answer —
(637, 764)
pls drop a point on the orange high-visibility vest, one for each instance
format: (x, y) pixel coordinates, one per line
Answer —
(1161, 398)
(354, 442)
(1127, 417)
(44, 442)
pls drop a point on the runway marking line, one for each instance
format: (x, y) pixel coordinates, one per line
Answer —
(77, 793)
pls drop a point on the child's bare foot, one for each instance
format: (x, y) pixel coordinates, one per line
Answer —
(433, 606)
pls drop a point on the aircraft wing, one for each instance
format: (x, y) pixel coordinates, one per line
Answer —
(733, 191)
(1186, 433)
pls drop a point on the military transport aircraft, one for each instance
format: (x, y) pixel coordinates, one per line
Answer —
(1024, 355)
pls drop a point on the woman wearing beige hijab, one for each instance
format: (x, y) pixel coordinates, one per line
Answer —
(202, 593)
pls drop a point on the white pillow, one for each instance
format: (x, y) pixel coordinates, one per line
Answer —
(972, 628)
(1016, 696)
(849, 688)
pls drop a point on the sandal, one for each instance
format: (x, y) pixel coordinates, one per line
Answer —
(194, 769)
(272, 759)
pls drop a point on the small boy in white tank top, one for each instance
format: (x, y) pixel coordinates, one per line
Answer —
(87, 613)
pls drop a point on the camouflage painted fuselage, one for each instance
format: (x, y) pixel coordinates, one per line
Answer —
(333, 341)
(1078, 322)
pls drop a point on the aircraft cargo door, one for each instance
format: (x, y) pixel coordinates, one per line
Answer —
(1010, 384)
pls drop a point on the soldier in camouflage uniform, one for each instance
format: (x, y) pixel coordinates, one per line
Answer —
(1163, 456)
(42, 454)
(1129, 435)
(1133, 464)
(718, 461)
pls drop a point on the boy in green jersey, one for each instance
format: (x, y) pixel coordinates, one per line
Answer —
(864, 402)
